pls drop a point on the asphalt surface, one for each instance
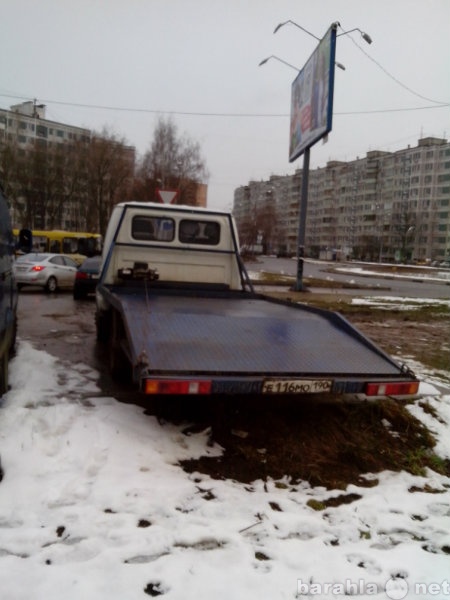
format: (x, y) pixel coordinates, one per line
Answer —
(65, 328)
(418, 284)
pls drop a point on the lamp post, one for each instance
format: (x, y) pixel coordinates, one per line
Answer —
(280, 25)
(365, 36)
(263, 62)
(306, 147)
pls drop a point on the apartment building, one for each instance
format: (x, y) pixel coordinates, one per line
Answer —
(26, 127)
(26, 124)
(387, 206)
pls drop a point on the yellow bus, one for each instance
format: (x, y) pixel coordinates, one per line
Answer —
(76, 244)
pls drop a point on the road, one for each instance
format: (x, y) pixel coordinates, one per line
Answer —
(407, 287)
(65, 328)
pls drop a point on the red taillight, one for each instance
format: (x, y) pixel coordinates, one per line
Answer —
(81, 275)
(38, 268)
(392, 388)
(175, 386)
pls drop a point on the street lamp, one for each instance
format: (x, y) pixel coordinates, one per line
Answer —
(263, 62)
(365, 36)
(297, 25)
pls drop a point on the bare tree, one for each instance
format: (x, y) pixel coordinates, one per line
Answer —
(110, 171)
(172, 162)
(30, 185)
(9, 173)
(71, 185)
(404, 224)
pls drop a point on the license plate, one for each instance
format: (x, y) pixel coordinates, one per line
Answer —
(296, 386)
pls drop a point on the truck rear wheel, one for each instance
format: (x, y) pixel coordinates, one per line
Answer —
(103, 326)
(119, 364)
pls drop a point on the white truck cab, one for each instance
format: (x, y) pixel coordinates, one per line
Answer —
(181, 243)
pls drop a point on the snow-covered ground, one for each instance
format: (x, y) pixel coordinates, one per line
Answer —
(431, 275)
(93, 506)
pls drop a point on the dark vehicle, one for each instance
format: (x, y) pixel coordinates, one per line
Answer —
(86, 278)
(8, 294)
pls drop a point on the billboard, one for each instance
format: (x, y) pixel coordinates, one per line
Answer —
(312, 97)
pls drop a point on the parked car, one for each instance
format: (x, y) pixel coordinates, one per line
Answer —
(50, 271)
(86, 277)
(8, 294)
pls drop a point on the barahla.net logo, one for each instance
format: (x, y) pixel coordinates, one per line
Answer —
(396, 588)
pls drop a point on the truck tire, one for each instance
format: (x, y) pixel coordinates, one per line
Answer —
(103, 326)
(119, 365)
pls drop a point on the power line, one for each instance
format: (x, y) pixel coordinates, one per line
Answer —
(217, 114)
(388, 110)
(386, 72)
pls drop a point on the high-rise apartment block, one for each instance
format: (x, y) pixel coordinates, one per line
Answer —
(392, 206)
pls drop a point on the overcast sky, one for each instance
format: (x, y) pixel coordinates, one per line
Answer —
(197, 60)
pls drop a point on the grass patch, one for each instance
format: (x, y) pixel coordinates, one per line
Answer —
(329, 444)
(417, 330)
(277, 279)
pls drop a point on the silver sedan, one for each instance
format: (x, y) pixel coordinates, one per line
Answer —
(50, 271)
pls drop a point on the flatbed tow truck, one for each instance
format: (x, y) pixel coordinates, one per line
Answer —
(180, 316)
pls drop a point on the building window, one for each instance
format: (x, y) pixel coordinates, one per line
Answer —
(41, 131)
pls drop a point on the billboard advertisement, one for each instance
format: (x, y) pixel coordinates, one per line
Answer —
(312, 97)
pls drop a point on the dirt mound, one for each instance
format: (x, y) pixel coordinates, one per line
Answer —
(328, 443)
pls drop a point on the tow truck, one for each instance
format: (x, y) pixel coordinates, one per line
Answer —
(179, 314)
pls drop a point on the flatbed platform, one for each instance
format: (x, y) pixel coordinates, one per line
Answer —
(246, 335)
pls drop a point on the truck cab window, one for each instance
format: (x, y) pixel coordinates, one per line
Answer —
(152, 228)
(199, 232)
